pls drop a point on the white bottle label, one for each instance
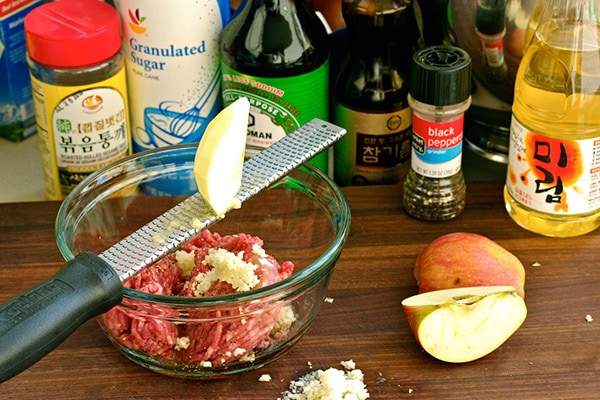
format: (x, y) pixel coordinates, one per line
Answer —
(172, 57)
(492, 48)
(89, 130)
(552, 175)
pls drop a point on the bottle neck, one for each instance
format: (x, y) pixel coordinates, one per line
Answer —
(578, 10)
(374, 75)
(275, 38)
(378, 27)
(268, 5)
(559, 22)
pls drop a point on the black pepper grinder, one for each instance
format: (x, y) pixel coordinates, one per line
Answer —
(440, 93)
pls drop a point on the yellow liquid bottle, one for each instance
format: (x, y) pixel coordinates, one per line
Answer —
(534, 19)
(553, 180)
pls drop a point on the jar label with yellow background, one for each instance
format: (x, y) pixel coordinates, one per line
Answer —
(81, 129)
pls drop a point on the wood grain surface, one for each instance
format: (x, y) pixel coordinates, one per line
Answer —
(554, 355)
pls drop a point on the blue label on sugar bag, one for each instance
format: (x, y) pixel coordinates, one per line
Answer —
(173, 68)
(171, 173)
(16, 104)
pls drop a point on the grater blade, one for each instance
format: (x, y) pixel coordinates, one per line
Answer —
(187, 219)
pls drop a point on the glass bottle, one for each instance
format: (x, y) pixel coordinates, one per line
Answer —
(552, 185)
(534, 19)
(370, 95)
(435, 17)
(440, 93)
(276, 53)
(491, 29)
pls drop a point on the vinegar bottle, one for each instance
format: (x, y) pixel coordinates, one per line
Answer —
(553, 179)
(534, 19)
(276, 53)
(370, 98)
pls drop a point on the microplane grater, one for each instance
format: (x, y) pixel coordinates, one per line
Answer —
(188, 218)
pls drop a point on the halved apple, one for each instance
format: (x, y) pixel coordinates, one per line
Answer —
(463, 324)
(462, 259)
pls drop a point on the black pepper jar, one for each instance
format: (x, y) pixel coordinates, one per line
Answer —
(440, 93)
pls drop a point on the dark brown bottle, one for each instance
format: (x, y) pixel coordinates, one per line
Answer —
(371, 93)
(276, 53)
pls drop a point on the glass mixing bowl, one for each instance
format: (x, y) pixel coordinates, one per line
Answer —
(302, 218)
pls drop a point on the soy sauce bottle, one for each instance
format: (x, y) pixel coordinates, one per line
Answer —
(276, 53)
(371, 93)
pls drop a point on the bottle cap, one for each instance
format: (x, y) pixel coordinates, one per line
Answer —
(72, 34)
(489, 16)
(441, 75)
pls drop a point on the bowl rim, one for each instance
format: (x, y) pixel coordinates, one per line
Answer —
(320, 266)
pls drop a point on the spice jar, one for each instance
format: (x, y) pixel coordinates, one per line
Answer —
(79, 90)
(440, 93)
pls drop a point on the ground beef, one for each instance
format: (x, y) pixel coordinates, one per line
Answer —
(227, 337)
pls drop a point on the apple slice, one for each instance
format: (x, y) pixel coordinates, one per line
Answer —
(220, 157)
(463, 324)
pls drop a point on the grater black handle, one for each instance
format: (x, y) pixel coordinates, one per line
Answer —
(37, 321)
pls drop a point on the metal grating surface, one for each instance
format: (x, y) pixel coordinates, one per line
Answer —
(184, 221)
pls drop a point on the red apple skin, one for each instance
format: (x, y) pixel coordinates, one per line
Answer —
(463, 259)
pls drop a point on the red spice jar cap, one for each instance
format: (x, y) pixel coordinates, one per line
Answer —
(72, 33)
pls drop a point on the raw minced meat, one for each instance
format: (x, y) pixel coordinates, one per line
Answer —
(221, 265)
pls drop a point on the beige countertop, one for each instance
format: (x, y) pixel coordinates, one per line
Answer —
(21, 177)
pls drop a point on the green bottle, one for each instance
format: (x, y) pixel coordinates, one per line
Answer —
(276, 53)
